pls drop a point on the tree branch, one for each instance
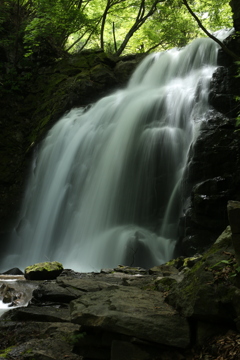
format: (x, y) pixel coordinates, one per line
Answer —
(139, 21)
(224, 47)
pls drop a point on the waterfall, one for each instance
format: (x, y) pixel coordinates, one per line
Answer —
(105, 187)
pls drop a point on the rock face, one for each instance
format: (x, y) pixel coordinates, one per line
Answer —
(128, 313)
(212, 177)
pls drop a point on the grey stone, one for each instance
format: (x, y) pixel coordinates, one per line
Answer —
(32, 313)
(165, 270)
(85, 285)
(50, 291)
(133, 312)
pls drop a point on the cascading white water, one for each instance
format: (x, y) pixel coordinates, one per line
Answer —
(105, 187)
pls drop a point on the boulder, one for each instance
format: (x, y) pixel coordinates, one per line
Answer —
(210, 292)
(43, 271)
(13, 271)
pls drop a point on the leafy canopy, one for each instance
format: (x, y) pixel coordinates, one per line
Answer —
(55, 27)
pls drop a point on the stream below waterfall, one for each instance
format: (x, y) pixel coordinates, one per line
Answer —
(15, 291)
(106, 184)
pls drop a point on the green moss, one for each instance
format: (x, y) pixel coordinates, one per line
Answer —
(4, 353)
(197, 266)
(223, 241)
(28, 352)
(74, 338)
(171, 262)
(45, 266)
(150, 287)
(165, 284)
(190, 260)
(192, 288)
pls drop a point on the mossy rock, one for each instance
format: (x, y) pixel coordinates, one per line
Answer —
(165, 283)
(43, 271)
(207, 291)
(4, 353)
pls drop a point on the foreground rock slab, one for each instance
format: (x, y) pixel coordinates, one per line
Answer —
(133, 312)
(168, 312)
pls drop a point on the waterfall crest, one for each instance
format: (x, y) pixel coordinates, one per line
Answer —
(105, 187)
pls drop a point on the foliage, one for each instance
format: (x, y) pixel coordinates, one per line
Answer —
(75, 337)
(225, 269)
(4, 353)
(53, 22)
(51, 28)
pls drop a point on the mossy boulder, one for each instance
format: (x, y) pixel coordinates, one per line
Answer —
(43, 271)
(210, 291)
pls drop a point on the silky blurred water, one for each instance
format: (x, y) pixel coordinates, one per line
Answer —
(105, 187)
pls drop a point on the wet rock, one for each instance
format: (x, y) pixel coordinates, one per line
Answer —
(124, 68)
(6, 293)
(131, 270)
(52, 292)
(15, 293)
(219, 96)
(212, 178)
